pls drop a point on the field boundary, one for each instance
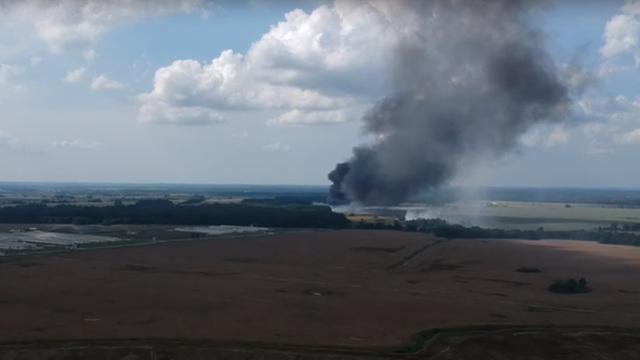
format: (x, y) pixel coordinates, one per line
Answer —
(138, 243)
(407, 259)
(417, 345)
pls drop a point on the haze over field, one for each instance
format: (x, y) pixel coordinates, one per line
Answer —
(504, 93)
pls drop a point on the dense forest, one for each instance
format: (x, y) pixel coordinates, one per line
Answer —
(164, 212)
(614, 197)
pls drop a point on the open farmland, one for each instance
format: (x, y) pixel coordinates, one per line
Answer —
(520, 215)
(557, 216)
(16, 239)
(344, 288)
(30, 240)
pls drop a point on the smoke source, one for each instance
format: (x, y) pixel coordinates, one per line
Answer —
(469, 78)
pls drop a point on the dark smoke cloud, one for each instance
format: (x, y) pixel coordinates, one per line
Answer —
(469, 77)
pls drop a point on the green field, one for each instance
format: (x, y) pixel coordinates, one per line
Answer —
(508, 215)
(531, 215)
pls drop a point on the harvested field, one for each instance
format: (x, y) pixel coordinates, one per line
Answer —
(316, 288)
(535, 343)
(488, 343)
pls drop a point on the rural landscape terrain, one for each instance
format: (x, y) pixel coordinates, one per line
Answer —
(319, 179)
(372, 286)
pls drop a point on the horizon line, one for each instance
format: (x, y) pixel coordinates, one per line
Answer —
(134, 183)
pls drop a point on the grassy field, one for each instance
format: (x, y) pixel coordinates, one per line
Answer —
(561, 213)
(343, 288)
(531, 215)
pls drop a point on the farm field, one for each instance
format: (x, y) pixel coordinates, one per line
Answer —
(348, 288)
(84, 200)
(558, 216)
(52, 238)
(21, 239)
(517, 214)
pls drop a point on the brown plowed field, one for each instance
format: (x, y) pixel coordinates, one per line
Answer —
(353, 288)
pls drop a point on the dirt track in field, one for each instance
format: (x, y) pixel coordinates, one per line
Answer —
(329, 288)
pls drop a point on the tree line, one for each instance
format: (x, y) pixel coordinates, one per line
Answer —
(164, 212)
(443, 229)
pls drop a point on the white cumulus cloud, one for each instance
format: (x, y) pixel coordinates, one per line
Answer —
(609, 122)
(103, 82)
(8, 74)
(621, 37)
(8, 141)
(35, 60)
(299, 117)
(73, 24)
(311, 66)
(558, 136)
(531, 138)
(630, 138)
(8, 71)
(160, 113)
(75, 76)
(277, 146)
(76, 144)
(621, 32)
(90, 54)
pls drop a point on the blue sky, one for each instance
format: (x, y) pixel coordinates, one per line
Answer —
(127, 92)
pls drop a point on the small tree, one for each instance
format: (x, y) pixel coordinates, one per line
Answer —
(570, 286)
(582, 283)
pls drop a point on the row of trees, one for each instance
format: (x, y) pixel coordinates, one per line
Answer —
(282, 200)
(282, 212)
(599, 235)
(571, 286)
(443, 229)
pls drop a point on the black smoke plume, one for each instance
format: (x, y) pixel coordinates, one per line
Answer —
(469, 78)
